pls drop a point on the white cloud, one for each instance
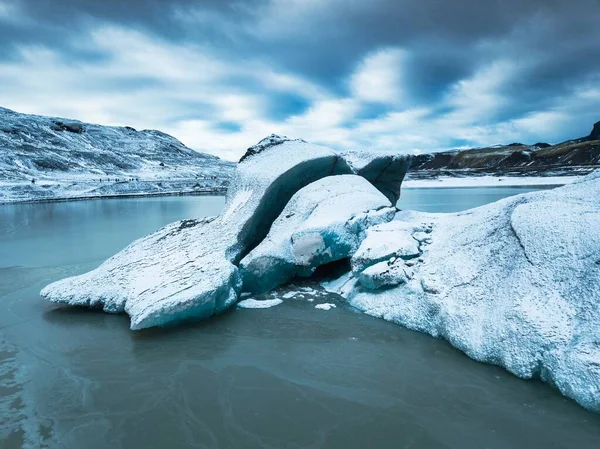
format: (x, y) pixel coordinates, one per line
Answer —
(480, 97)
(164, 80)
(379, 77)
(186, 90)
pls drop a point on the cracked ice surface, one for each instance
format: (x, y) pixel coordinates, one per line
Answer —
(323, 222)
(514, 283)
(188, 269)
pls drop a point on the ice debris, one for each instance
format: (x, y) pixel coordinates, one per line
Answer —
(259, 304)
(325, 306)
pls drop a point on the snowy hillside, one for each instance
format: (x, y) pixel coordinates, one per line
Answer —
(53, 158)
(541, 160)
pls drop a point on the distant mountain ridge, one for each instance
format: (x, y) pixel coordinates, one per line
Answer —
(47, 158)
(38, 146)
(578, 156)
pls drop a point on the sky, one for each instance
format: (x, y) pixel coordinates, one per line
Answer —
(400, 75)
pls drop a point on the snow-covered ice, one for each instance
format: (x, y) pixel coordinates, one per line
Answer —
(259, 304)
(323, 222)
(325, 306)
(187, 270)
(514, 283)
(385, 241)
(385, 170)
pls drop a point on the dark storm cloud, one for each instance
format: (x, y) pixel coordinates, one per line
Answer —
(548, 48)
(324, 43)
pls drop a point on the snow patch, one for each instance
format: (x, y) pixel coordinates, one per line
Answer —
(256, 304)
(325, 306)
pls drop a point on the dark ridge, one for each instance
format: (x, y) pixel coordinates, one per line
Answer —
(72, 127)
(578, 156)
(595, 134)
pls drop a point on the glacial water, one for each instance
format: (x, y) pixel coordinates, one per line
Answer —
(291, 376)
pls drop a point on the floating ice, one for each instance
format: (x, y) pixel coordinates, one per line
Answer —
(256, 304)
(187, 270)
(325, 306)
(514, 283)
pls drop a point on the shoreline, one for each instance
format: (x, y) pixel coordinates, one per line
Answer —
(489, 181)
(216, 192)
(444, 182)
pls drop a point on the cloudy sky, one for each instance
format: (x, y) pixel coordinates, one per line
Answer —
(407, 75)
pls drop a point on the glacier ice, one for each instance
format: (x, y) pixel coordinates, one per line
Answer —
(188, 269)
(259, 304)
(385, 274)
(515, 283)
(323, 222)
(384, 170)
(325, 306)
(385, 241)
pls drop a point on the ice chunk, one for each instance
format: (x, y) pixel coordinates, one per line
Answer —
(188, 270)
(385, 274)
(255, 304)
(514, 283)
(387, 240)
(385, 171)
(325, 306)
(323, 222)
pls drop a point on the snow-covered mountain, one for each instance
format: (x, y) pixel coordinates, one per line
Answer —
(55, 158)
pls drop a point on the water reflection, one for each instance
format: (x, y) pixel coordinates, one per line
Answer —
(50, 234)
(457, 199)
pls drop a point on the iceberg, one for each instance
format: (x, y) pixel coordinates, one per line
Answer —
(322, 223)
(187, 270)
(515, 283)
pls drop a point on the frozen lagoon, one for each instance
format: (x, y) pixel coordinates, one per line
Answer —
(290, 375)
